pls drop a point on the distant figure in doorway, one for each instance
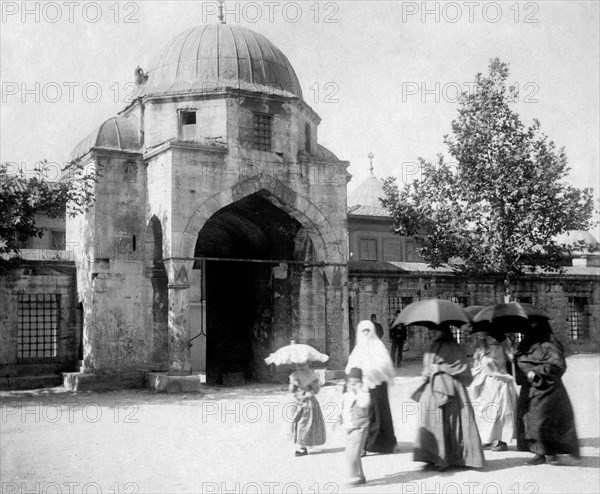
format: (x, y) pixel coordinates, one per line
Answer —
(493, 391)
(308, 427)
(354, 418)
(398, 336)
(378, 327)
(371, 356)
(545, 419)
(448, 435)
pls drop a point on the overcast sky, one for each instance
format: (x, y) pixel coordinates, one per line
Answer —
(383, 76)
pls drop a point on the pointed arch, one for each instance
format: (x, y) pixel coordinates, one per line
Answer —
(326, 242)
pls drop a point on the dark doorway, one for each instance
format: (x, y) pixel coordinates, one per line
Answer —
(240, 314)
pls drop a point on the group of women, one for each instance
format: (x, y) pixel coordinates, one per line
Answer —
(467, 408)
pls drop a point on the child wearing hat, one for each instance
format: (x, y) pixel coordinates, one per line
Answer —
(354, 417)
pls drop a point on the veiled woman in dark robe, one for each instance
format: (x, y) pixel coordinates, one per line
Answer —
(448, 435)
(372, 357)
(545, 419)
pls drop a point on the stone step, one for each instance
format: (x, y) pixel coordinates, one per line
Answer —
(30, 382)
(80, 381)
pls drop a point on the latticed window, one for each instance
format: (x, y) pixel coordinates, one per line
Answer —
(37, 326)
(263, 130)
(577, 326)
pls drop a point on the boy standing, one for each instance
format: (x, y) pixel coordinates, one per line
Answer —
(355, 420)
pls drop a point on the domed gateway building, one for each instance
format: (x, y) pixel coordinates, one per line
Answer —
(219, 227)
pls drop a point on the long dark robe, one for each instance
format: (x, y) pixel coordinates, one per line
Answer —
(381, 438)
(545, 419)
(448, 435)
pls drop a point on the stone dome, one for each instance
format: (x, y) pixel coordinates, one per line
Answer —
(365, 199)
(217, 56)
(115, 134)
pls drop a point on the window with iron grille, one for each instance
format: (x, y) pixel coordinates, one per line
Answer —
(37, 325)
(518, 337)
(397, 303)
(459, 334)
(461, 301)
(576, 319)
(262, 132)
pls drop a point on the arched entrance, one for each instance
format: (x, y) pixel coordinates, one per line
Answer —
(250, 296)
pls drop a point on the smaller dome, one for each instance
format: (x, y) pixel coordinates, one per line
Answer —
(324, 154)
(367, 193)
(117, 134)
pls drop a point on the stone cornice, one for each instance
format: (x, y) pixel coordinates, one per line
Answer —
(186, 145)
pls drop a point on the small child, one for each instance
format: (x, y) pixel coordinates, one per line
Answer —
(355, 420)
(308, 427)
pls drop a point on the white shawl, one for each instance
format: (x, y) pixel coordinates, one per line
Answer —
(371, 356)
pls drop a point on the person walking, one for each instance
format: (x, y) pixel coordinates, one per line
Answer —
(354, 417)
(545, 419)
(448, 435)
(378, 327)
(371, 356)
(398, 336)
(308, 427)
(493, 391)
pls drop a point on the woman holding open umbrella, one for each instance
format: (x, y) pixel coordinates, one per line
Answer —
(546, 423)
(372, 357)
(448, 435)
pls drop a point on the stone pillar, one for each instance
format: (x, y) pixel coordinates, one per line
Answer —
(336, 299)
(180, 359)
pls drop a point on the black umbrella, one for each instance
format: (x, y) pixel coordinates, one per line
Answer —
(432, 313)
(511, 317)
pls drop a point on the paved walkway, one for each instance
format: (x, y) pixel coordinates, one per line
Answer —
(236, 440)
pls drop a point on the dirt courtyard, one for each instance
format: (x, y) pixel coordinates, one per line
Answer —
(237, 440)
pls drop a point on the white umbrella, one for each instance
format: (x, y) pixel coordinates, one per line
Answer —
(296, 353)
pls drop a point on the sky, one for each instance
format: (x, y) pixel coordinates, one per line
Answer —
(382, 75)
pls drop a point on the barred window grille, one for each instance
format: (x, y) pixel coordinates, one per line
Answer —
(397, 303)
(577, 326)
(518, 337)
(459, 334)
(262, 132)
(37, 325)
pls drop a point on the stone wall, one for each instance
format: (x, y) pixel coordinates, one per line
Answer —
(380, 294)
(49, 279)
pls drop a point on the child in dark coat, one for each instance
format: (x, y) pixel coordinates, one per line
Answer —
(354, 418)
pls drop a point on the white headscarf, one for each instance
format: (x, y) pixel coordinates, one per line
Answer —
(371, 356)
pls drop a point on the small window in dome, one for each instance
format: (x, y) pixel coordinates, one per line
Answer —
(187, 119)
(262, 132)
(307, 138)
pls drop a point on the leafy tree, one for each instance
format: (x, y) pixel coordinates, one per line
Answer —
(21, 197)
(500, 206)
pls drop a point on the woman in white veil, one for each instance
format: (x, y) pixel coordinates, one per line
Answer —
(372, 357)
